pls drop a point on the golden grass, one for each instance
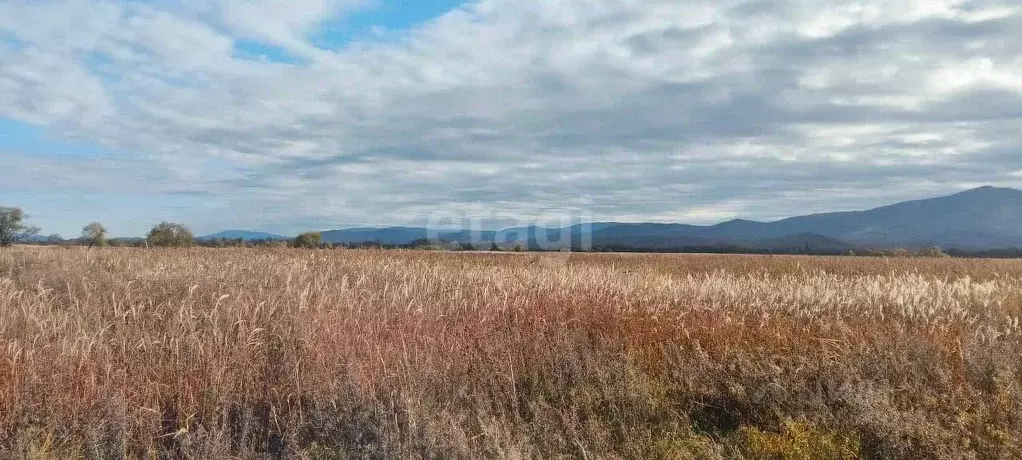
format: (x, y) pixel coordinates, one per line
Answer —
(235, 353)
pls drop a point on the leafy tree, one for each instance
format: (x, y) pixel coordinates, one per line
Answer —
(94, 234)
(54, 239)
(168, 234)
(310, 240)
(12, 227)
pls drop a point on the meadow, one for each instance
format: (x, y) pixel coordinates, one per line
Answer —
(316, 354)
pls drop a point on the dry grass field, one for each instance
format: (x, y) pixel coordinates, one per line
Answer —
(252, 354)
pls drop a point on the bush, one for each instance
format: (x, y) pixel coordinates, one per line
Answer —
(308, 240)
(170, 235)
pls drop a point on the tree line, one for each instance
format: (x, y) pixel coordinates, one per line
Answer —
(14, 230)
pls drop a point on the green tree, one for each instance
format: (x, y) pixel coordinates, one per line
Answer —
(12, 226)
(170, 235)
(310, 240)
(94, 234)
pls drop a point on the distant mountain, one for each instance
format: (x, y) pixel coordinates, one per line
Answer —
(982, 218)
(388, 236)
(986, 217)
(245, 235)
(406, 235)
(979, 219)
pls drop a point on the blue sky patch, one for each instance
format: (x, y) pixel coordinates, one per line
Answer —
(256, 51)
(18, 137)
(389, 16)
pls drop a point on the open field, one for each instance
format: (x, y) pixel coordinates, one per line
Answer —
(234, 353)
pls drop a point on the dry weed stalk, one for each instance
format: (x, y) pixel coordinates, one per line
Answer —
(127, 353)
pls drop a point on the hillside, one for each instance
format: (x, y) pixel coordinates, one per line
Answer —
(243, 234)
(980, 219)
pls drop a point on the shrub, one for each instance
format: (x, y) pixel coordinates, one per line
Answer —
(167, 234)
(309, 240)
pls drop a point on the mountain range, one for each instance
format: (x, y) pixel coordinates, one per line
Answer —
(977, 219)
(244, 235)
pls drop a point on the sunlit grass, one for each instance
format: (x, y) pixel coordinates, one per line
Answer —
(336, 354)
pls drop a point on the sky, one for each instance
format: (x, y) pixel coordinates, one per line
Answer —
(296, 115)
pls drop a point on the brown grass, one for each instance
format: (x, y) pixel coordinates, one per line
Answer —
(234, 353)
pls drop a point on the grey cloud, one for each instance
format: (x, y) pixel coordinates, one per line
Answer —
(651, 109)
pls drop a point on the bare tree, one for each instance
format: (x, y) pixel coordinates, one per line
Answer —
(12, 227)
(94, 234)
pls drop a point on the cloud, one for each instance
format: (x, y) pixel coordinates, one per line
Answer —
(635, 109)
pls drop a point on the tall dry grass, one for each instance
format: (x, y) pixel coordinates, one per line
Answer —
(234, 353)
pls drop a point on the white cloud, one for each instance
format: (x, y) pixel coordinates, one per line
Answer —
(648, 108)
(284, 24)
